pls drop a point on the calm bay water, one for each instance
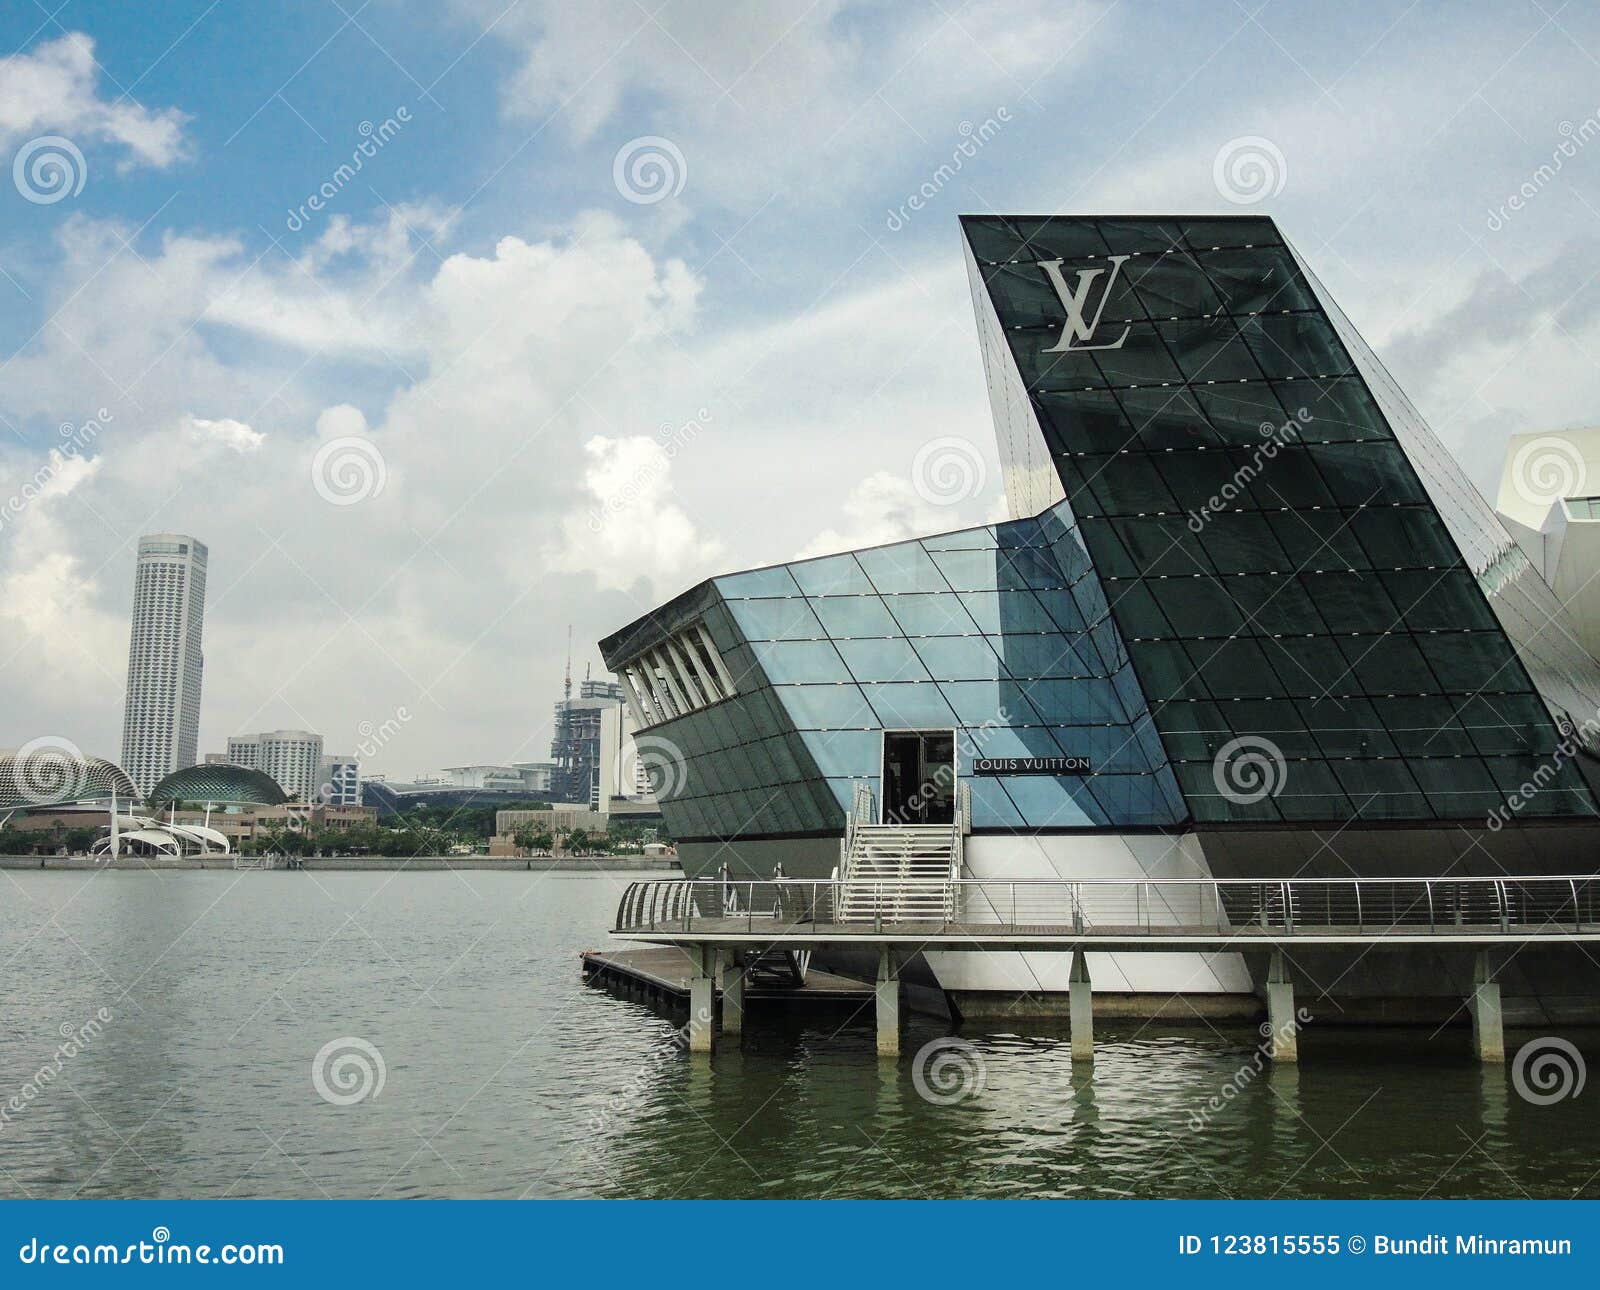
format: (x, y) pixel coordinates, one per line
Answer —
(503, 1075)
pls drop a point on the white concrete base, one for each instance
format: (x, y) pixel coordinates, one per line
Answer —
(1080, 1007)
(703, 1001)
(1068, 856)
(1488, 1018)
(888, 1000)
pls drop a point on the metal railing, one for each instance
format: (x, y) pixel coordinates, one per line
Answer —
(1121, 908)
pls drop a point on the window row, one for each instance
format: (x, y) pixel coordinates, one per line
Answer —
(682, 673)
(996, 239)
(1198, 351)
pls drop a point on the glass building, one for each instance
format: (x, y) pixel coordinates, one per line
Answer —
(1246, 602)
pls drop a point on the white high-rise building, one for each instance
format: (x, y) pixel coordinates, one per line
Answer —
(340, 780)
(161, 714)
(292, 757)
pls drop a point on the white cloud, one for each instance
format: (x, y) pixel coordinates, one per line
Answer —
(630, 529)
(224, 431)
(763, 98)
(54, 89)
(882, 508)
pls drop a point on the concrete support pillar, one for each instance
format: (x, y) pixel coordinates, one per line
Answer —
(1488, 1022)
(1080, 1008)
(732, 992)
(703, 999)
(1283, 1027)
(888, 1004)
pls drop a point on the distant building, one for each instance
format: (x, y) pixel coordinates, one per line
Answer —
(537, 776)
(161, 713)
(595, 756)
(292, 757)
(340, 780)
(504, 778)
(1550, 501)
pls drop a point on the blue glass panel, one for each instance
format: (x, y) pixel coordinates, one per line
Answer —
(799, 661)
(1074, 702)
(758, 582)
(765, 620)
(1046, 802)
(1007, 611)
(845, 616)
(825, 707)
(1039, 656)
(904, 567)
(847, 753)
(930, 615)
(834, 575)
(978, 701)
(882, 660)
(960, 658)
(991, 808)
(968, 570)
(913, 706)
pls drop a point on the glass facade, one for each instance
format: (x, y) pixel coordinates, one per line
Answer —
(1270, 554)
(1229, 530)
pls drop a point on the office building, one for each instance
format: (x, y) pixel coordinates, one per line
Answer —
(161, 712)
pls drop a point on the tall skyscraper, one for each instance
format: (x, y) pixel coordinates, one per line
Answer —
(161, 715)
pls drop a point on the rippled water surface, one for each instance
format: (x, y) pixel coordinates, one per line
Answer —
(503, 1075)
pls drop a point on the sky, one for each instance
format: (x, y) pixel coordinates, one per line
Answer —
(447, 326)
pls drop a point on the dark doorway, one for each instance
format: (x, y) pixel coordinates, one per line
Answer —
(919, 777)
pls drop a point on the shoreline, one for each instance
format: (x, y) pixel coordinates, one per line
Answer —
(515, 864)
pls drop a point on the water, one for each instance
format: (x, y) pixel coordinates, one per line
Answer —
(505, 1076)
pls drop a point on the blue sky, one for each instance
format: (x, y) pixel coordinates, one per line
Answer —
(578, 403)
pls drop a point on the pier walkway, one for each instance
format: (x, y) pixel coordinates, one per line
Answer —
(723, 924)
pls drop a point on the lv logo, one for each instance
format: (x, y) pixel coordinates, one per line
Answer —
(1079, 330)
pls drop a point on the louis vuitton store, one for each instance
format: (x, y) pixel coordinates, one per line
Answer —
(1248, 618)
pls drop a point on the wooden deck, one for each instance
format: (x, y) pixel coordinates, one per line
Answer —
(666, 971)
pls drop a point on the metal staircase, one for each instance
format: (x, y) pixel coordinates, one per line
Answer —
(899, 872)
